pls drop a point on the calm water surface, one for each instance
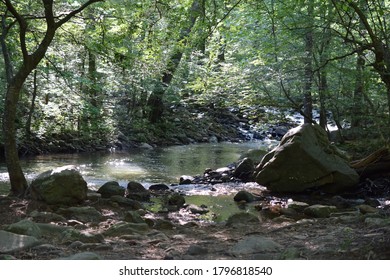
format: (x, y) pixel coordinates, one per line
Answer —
(160, 165)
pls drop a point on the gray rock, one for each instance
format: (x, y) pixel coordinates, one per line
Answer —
(25, 227)
(196, 250)
(185, 180)
(83, 256)
(111, 188)
(377, 222)
(367, 209)
(52, 229)
(256, 155)
(195, 209)
(146, 146)
(11, 242)
(93, 196)
(163, 224)
(255, 245)
(305, 159)
(241, 218)
(176, 200)
(126, 228)
(298, 206)
(213, 139)
(84, 214)
(244, 196)
(63, 185)
(71, 235)
(244, 170)
(320, 211)
(133, 217)
(137, 191)
(158, 188)
(46, 217)
(132, 204)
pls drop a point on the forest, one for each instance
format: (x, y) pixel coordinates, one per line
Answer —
(90, 75)
(91, 71)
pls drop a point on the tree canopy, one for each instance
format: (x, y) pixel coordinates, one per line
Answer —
(91, 69)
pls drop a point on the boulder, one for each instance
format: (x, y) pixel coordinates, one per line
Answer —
(305, 159)
(244, 169)
(137, 191)
(111, 188)
(63, 185)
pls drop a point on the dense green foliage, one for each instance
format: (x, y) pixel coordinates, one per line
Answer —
(103, 65)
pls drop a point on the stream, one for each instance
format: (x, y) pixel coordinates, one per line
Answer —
(147, 166)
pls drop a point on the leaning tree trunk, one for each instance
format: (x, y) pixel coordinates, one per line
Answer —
(155, 102)
(15, 84)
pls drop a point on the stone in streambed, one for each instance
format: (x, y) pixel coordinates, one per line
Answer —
(137, 191)
(244, 196)
(111, 188)
(244, 170)
(126, 202)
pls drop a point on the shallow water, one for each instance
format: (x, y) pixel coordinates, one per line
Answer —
(147, 166)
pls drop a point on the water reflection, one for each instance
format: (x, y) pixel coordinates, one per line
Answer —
(160, 165)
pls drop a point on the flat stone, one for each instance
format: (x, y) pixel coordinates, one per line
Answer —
(255, 245)
(320, 211)
(25, 227)
(241, 218)
(11, 242)
(83, 256)
(83, 214)
(367, 209)
(298, 205)
(126, 228)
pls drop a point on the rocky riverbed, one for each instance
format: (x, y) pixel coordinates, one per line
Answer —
(304, 226)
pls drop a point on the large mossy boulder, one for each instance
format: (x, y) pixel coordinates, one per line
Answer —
(305, 159)
(63, 185)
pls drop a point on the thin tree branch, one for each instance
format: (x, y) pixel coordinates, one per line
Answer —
(75, 12)
(23, 27)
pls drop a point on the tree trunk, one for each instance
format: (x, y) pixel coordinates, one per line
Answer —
(30, 62)
(9, 71)
(307, 100)
(32, 107)
(16, 176)
(155, 102)
(357, 110)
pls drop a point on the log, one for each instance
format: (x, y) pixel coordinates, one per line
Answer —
(375, 164)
